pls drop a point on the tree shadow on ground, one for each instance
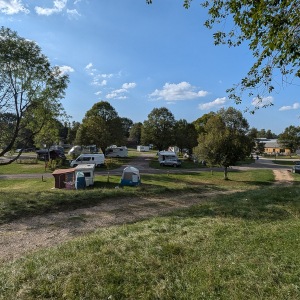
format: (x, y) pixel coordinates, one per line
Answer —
(267, 204)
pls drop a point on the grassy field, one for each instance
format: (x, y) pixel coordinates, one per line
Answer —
(21, 198)
(239, 246)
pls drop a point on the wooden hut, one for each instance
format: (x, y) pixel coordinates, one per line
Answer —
(64, 178)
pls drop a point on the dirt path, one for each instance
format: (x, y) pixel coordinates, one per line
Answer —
(29, 234)
(283, 176)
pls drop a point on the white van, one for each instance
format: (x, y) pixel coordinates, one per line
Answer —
(96, 159)
(116, 151)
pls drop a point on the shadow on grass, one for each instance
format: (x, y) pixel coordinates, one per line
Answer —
(269, 204)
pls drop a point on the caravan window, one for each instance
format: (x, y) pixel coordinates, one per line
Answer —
(87, 174)
(86, 158)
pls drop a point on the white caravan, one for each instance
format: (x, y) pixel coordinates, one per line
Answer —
(142, 148)
(96, 159)
(89, 172)
(116, 152)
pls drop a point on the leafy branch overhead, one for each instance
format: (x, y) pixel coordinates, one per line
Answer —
(30, 89)
(271, 30)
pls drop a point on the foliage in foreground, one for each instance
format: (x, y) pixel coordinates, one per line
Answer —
(242, 246)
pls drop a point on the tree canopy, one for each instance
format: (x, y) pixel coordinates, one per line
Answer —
(224, 140)
(159, 128)
(185, 135)
(101, 126)
(290, 138)
(30, 89)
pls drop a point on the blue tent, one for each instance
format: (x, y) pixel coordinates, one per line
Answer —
(130, 177)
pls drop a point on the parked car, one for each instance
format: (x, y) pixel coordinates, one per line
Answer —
(296, 169)
(43, 154)
(171, 162)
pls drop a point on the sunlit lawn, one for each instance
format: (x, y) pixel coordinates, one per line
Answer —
(239, 246)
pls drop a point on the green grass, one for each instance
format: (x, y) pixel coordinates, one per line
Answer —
(239, 246)
(24, 168)
(283, 162)
(21, 198)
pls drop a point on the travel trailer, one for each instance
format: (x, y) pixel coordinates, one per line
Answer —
(96, 159)
(142, 148)
(88, 171)
(116, 152)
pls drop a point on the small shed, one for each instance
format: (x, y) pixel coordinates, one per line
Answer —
(130, 177)
(64, 178)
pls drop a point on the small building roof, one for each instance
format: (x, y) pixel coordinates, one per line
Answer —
(85, 167)
(63, 171)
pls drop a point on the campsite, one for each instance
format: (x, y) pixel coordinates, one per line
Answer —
(179, 234)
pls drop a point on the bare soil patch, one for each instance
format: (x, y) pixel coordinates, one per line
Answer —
(283, 176)
(30, 234)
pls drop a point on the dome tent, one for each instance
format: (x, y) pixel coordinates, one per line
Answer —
(130, 177)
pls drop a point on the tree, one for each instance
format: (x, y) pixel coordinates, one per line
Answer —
(30, 89)
(159, 128)
(101, 126)
(126, 125)
(136, 132)
(225, 139)
(185, 135)
(200, 122)
(72, 131)
(271, 30)
(290, 138)
(49, 135)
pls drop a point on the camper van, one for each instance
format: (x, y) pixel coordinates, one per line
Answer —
(163, 155)
(96, 159)
(116, 152)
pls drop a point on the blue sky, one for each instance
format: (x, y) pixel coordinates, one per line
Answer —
(139, 57)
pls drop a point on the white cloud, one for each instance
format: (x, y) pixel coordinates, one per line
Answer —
(210, 105)
(129, 85)
(66, 69)
(58, 6)
(115, 95)
(11, 7)
(290, 107)
(73, 13)
(88, 66)
(261, 102)
(180, 91)
(98, 93)
(119, 93)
